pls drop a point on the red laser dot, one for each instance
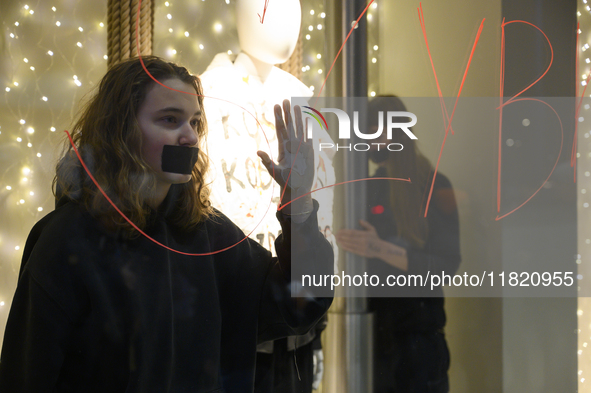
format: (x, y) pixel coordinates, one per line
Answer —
(379, 209)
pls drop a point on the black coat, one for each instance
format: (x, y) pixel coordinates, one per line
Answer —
(95, 313)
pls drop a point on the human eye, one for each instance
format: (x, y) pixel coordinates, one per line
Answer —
(195, 122)
(169, 119)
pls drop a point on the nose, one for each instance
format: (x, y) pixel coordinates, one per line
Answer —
(188, 135)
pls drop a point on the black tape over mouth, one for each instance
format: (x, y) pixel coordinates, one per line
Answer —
(179, 159)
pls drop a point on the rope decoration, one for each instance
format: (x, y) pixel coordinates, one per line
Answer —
(121, 29)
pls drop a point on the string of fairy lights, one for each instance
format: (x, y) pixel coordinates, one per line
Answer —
(583, 184)
(51, 55)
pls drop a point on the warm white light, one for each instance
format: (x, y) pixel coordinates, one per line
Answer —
(312, 88)
(38, 154)
(58, 23)
(373, 94)
(19, 139)
(31, 130)
(31, 12)
(7, 89)
(78, 83)
(53, 9)
(17, 248)
(29, 144)
(26, 7)
(1, 304)
(105, 57)
(50, 53)
(323, 15)
(79, 44)
(311, 12)
(304, 69)
(319, 27)
(167, 3)
(11, 35)
(186, 33)
(22, 121)
(311, 28)
(579, 312)
(75, 77)
(8, 188)
(375, 5)
(16, 83)
(32, 68)
(171, 52)
(44, 98)
(101, 24)
(217, 27)
(200, 46)
(16, 23)
(80, 28)
(229, 52)
(26, 60)
(369, 17)
(375, 47)
(170, 30)
(22, 201)
(52, 129)
(319, 56)
(374, 60)
(31, 193)
(26, 171)
(320, 71)
(39, 209)
(169, 16)
(307, 36)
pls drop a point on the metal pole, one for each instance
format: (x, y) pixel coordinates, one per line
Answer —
(358, 321)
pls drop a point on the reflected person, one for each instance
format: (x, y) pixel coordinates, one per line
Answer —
(410, 350)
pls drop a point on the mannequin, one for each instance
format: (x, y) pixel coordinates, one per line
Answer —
(250, 82)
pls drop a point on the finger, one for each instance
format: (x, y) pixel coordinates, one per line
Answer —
(270, 166)
(280, 124)
(367, 225)
(350, 233)
(299, 123)
(281, 132)
(288, 119)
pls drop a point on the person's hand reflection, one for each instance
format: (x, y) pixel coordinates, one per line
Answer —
(368, 244)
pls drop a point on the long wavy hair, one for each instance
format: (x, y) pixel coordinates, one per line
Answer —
(406, 199)
(109, 139)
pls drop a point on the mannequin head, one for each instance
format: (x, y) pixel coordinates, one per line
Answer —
(273, 41)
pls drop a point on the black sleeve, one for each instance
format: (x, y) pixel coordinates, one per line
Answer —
(38, 326)
(281, 314)
(48, 301)
(442, 249)
(34, 341)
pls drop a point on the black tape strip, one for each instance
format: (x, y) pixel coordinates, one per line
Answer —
(179, 159)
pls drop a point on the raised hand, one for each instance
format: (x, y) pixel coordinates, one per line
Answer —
(294, 171)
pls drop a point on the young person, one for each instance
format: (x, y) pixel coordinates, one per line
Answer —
(103, 307)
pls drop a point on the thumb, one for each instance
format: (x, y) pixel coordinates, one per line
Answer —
(367, 225)
(267, 162)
